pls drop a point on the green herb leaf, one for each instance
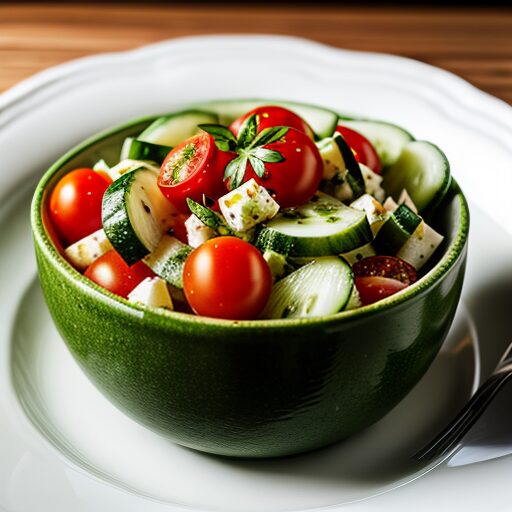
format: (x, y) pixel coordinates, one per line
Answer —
(267, 155)
(269, 135)
(232, 167)
(247, 132)
(204, 214)
(257, 165)
(222, 136)
(235, 171)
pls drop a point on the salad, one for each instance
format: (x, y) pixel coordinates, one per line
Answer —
(247, 210)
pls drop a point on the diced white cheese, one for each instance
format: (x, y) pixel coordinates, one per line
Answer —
(152, 292)
(372, 182)
(420, 246)
(197, 232)
(276, 263)
(375, 212)
(247, 205)
(391, 205)
(127, 165)
(332, 158)
(405, 198)
(101, 166)
(87, 250)
(365, 251)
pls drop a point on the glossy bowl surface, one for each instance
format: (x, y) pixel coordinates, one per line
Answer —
(260, 388)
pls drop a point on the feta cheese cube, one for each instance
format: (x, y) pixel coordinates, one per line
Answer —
(87, 250)
(247, 205)
(197, 232)
(152, 292)
(420, 245)
(372, 183)
(375, 212)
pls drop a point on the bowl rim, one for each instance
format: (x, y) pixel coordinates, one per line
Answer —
(45, 243)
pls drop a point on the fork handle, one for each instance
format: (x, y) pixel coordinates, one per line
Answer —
(451, 436)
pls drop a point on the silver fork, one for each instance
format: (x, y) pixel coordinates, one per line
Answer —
(452, 435)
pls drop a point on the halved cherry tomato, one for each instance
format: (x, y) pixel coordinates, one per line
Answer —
(194, 168)
(227, 278)
(364, 151)
(75, 204)
(112, 273)
(295, 179)
(374, 288)
(273, 116)
(386, 266)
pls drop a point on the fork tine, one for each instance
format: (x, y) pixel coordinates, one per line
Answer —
(506, 355)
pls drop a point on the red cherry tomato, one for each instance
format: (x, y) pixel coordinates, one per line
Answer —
(294, 180)
(75, 204)
(363, 148)
(385, 266)
(227, 278)
(374, 288)
(268, 116)
(194, 168)
(112, 273)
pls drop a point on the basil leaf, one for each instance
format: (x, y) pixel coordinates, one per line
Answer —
(236, 180)
(269, 135)
(267, 155)
(247, 132)
(204, 214)
(232, 167)
(257, 165)
(222, 136)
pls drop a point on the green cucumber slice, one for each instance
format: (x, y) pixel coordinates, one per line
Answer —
(395, 232)
(175, 128)
(321, 227)
(423, 170)
(322, 287)
(136, 149)
(388, 139)
(168, 259)
(322, 121)
(135, 214)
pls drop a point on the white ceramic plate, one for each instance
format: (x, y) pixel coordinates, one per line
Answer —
(64, 447)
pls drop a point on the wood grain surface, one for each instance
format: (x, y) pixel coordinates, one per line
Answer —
(473, 43)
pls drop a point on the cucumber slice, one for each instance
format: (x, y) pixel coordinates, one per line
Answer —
(321, 227)
(395, 232)
(175, 128)
(135, 214)
(322, 121)
(388, 139)
(322, 287)
(168, 259)
(136, 149)
(423, 170)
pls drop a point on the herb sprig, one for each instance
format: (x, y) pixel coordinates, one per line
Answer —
(249, 147)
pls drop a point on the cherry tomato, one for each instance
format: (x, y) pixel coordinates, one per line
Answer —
(194, 168)
(112, 273)
(364, 151)
(268, 116)
(227, 278)
(75, 204)
(294, 180)
(374, 288)
(385, 266)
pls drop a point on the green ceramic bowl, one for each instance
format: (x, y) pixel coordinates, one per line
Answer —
(261, 388)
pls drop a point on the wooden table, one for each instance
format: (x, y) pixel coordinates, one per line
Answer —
(474, 43)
